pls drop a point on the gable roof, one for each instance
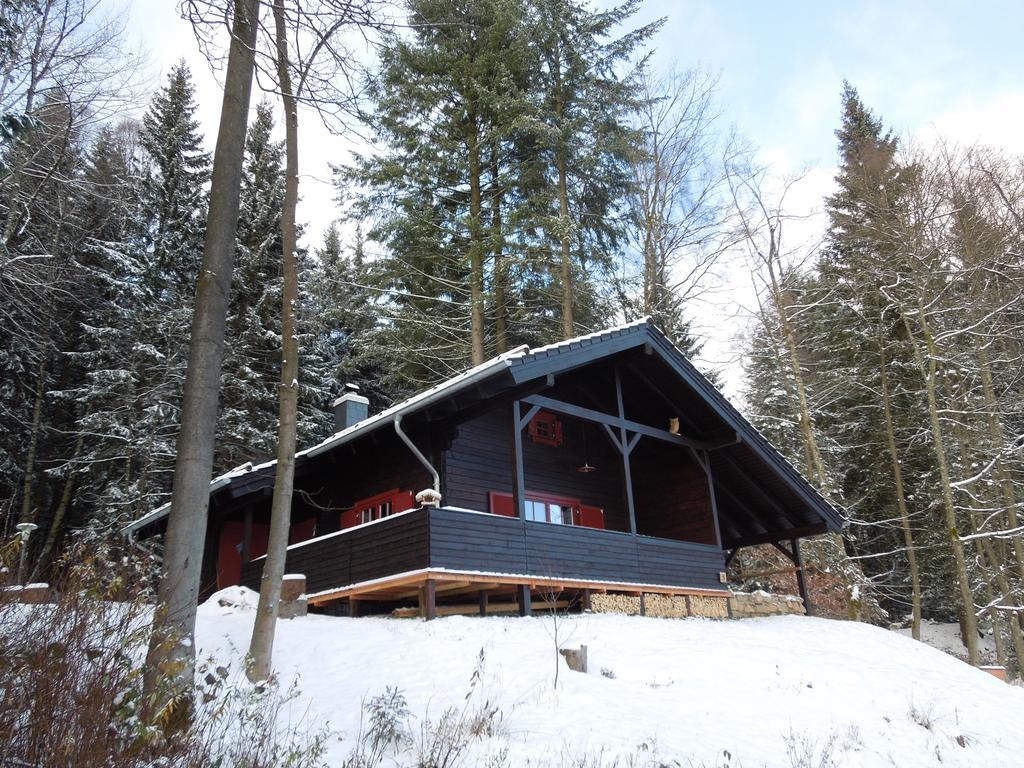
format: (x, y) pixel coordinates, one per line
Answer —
(524, 364)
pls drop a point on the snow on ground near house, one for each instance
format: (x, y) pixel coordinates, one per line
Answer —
(946, 637)
(689, 689)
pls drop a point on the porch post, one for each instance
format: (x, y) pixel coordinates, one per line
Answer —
(800, 583)
(518, 478)
(428, 600)
(524, 600)
(627, 476)
(483, 602)
(711, 494)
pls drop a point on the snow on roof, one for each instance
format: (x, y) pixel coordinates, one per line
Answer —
(447, 387)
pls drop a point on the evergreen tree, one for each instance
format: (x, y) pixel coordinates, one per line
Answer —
(341, 313)
(252, 351)
(585, 105)
(138, 337)
(446, 101)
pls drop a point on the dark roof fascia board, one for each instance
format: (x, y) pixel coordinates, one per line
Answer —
(559, 361)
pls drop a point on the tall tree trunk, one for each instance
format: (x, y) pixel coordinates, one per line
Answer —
(901, 501)
(930, 375)
(498, 241)
(564, 229)
(171, 656)
(61, 512)
(568, 322)
(262, 645)
(27, 515)
(991, 558)
(476, 243)
(812, 456)
(995, 429)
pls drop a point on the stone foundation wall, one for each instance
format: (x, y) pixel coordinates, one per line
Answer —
(750, 605)
(739, 605)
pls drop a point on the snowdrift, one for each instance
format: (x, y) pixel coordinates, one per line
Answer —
(781, 691)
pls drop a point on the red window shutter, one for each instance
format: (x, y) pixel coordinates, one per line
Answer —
(260, 539)
(502, 504)
(349, 517)
(591, 517)
(402, 501)
(303, 531)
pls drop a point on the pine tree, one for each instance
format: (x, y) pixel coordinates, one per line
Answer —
(252, 355)
(138, 338)
(445, 104)
(585, 105)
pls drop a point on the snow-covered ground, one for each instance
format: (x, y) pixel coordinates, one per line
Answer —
(946, 637)
(781, 691)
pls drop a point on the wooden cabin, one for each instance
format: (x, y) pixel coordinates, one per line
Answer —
(604, 463)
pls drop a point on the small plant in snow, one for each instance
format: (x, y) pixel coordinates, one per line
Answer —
(442, 744)
(387, 716)
(607, 672)
(803, 751)
(923, 715)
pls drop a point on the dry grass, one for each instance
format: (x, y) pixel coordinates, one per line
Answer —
(71, 683)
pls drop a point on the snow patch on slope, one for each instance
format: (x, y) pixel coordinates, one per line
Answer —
(689, 689)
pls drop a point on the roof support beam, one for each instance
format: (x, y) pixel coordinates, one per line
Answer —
(703, 459)
(619, 422)
(772, 538)
(741, 506)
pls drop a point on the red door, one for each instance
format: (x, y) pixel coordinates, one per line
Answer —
(229, 551)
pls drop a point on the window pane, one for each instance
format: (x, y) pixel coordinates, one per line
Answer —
(555, 514)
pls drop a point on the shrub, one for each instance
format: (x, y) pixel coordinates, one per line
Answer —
(71, 683)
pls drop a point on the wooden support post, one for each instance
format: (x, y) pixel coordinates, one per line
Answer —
(643, 604)
(711, 493)
(247, 537)
(801, 584)
(353, 607)
(483, 602)
(524, 600)
(586, 600)
(519, 477)
(428, 600)
(627, 477)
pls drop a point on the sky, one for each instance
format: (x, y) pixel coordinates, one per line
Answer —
(929, 69)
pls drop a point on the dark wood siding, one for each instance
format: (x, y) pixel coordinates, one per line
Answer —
(466, 541)
(368, 552)
(671, 494)
(480, 460)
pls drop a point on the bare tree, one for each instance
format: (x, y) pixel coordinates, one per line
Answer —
(172, 646)
(678, 202)
(310, 65)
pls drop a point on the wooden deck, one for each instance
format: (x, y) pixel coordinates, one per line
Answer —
(453, 552)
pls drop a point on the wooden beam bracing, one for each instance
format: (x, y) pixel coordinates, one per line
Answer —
(410, 584)
(588, 414)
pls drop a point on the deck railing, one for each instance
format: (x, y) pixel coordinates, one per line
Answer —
(461, 540)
